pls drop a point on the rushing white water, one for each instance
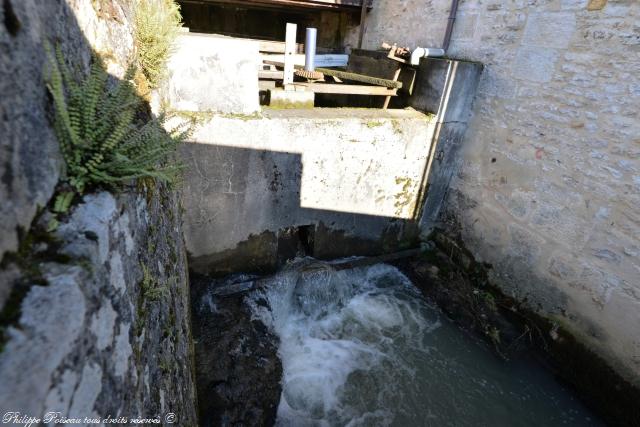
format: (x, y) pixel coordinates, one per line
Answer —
(361, 347)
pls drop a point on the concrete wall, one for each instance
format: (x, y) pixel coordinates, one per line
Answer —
(549, 183)
(351, 174)
(210, 72)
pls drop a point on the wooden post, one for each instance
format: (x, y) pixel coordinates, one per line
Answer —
(395, 78)
(363, 18)
(289, 54)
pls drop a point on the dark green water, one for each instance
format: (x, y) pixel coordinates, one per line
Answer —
(361, 347)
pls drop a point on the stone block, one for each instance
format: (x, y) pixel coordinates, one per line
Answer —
(548, 29)
(535, 64)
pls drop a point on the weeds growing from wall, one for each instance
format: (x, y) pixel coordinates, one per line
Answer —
(104, 138)
(157, 23)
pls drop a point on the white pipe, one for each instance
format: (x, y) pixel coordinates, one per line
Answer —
(422, 52)
(310, 49)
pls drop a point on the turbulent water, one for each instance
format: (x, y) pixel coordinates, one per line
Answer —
(361, 347)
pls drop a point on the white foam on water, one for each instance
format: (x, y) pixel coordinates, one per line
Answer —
(361, 347)
(338, 331)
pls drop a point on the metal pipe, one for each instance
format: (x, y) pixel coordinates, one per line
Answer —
(449, 30)
(424, 52)
(310, 49)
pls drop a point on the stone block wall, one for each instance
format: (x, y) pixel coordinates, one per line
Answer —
(548, 190)
(29, 156)
(103, 326)
(94, 307)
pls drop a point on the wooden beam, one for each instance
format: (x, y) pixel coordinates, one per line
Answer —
(344, 75)
(388, 98)
(266, 85)
(323, 60)
(276, 47)
(242, 287)
(271, 74)
(343, 89)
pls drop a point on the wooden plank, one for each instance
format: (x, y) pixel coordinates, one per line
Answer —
(289, 51)
(388, 98)
(271, 74)
(325, 60)
(408, 79)
(276, 47)
(343, 89)
(266, 84)
(345, 75)
(243, 287)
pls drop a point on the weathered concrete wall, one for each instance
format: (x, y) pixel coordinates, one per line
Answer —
(358, 172)
(447, 88)
(210, 72)
(94, 313)
(547, 191)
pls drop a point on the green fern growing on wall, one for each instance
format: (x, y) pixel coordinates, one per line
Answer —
(102, 140)
(157, 23)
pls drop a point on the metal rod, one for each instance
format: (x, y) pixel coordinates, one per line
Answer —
(449, 30)
(310, 49)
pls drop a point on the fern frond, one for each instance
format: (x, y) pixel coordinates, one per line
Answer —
(100, 138)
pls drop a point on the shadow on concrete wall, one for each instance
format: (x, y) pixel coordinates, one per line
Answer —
(233, 192)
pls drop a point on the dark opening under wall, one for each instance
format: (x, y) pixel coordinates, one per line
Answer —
(267, 23)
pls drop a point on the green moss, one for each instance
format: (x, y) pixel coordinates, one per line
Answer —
(195, 117)
(243, 117)
(397, 127)
(291, 105)
(404, 197)
(169, 326)
(152, 290)
(490, 301)
(166, 364)
(372, 124)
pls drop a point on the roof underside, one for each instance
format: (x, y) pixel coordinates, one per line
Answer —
(345, 5)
